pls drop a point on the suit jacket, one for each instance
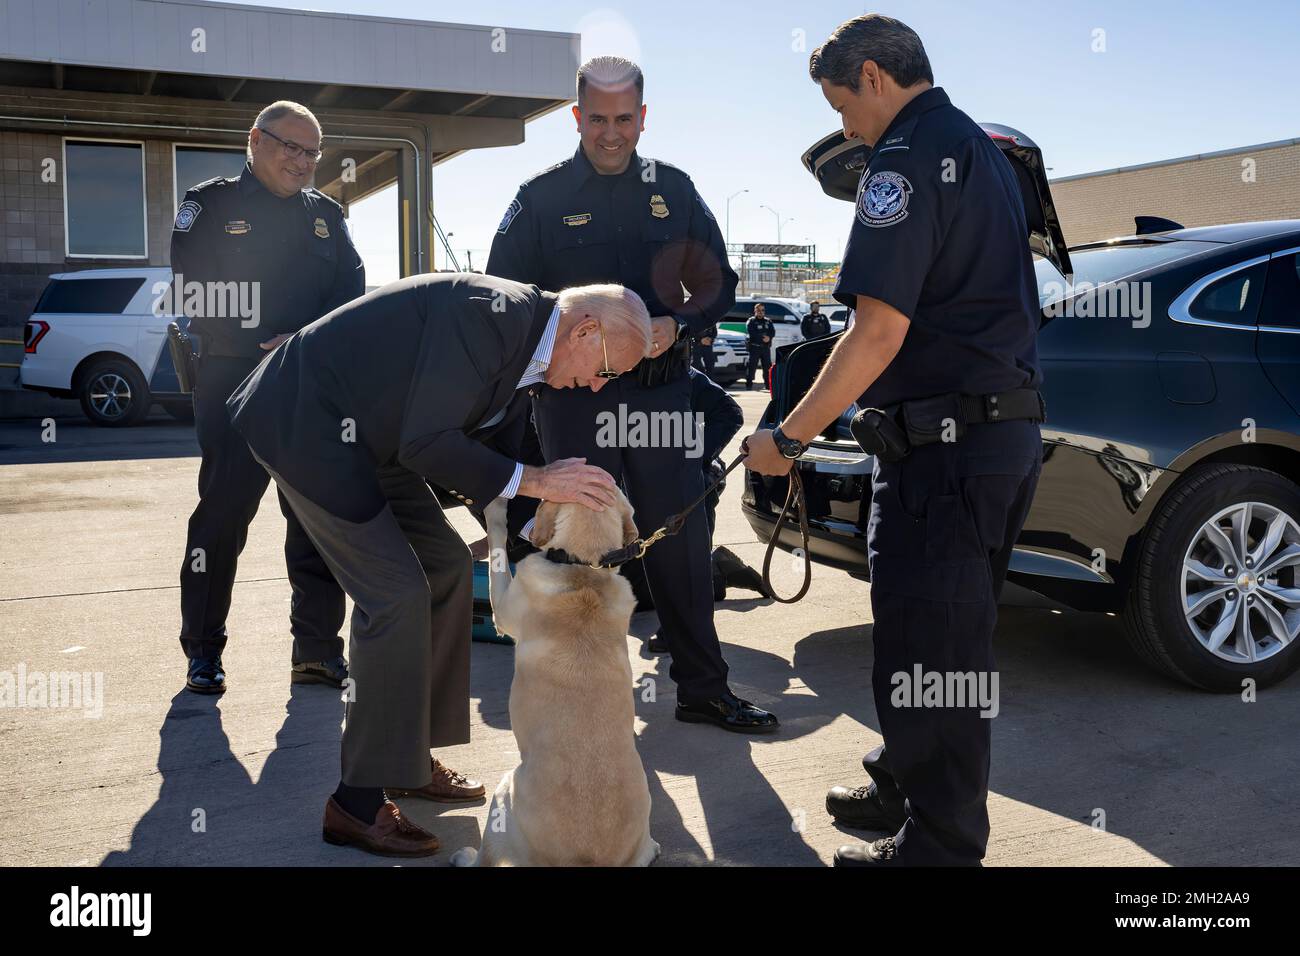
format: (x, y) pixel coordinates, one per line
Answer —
(408, 375)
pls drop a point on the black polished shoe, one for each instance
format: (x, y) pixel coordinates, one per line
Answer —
(206, 675)
(657, 644)
(333, 672)
(728, 712)
(862, 807)
(736, 573)
(881, 852)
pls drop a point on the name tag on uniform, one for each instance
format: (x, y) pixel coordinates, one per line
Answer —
(238, 227)
(322, 230)
(579, 220)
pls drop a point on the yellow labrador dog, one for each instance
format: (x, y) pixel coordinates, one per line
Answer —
(579, 795)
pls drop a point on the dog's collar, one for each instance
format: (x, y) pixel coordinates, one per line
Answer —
(611, 559)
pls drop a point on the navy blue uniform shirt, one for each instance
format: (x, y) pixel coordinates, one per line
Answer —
(756, 329)
(646, 228)
(296, 249)
(939, 233)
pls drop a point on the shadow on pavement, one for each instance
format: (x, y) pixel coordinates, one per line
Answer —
(21, 441)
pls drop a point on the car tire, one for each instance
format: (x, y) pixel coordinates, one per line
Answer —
(1184, 563)
(113, 393)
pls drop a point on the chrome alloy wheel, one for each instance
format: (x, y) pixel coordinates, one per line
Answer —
(1241, 582)
(110, 395)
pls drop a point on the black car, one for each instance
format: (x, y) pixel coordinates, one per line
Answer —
(1171, 451)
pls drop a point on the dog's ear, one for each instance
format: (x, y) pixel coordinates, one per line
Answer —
(629, 526)
(543, 525)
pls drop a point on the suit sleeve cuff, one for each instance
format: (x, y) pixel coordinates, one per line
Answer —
(512, 486)
(527, 529)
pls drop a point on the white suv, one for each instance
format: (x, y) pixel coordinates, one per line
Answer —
(786, 316)
(94, 336)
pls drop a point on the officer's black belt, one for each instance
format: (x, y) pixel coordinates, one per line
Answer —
(891, 433)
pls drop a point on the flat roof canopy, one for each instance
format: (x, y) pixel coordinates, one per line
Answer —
(240, 54)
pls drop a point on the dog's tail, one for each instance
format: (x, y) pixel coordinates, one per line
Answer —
(465, 856)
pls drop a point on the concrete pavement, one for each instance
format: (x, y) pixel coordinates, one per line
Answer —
(91, 535)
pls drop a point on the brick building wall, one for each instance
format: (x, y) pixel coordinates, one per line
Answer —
(1238, 185)
(32, 242)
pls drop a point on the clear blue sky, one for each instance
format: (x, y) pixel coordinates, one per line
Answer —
(731, 103)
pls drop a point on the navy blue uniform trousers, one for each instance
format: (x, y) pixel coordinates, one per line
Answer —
(942, 526)
(231, 485)
(659, 482)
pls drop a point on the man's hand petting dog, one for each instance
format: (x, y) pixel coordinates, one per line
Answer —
(570, 479)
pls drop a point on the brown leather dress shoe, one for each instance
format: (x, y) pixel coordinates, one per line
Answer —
(390, 835)
(447, 786)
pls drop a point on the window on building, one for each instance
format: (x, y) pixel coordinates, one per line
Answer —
(198, 164)
(103, 194)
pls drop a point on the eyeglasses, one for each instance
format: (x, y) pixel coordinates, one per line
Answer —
(292, 149)
(605, 372)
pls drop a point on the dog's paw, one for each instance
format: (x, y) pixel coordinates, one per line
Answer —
(465, 856)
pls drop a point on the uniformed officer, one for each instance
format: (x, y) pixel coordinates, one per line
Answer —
(702, 356)
(607, 215)
(256, 258)
(814, 324)
(939, 270)
(760, 332)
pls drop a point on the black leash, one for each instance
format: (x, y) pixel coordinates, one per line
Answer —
(674, 523)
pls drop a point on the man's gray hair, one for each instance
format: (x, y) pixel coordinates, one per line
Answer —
(622, 314)
(610, 73)
(891, 43)
(277, 111)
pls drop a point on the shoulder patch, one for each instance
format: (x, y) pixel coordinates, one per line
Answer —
(882, 200)
(189, 211)
(512, 210)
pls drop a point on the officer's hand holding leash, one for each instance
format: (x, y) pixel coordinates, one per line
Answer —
(856, 361)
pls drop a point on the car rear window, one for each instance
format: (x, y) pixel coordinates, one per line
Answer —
(88, 295)
(1101, 264)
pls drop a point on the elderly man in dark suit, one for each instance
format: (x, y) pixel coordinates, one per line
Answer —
(424, 381)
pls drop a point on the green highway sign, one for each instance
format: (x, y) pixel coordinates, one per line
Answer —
(795, 263)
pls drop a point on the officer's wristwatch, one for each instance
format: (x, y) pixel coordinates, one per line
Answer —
(788, 447)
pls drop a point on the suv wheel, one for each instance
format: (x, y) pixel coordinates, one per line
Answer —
(113, 393)
(1216, 597)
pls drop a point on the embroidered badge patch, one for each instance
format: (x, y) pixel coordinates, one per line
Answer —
(511, 211)
(186, 214)
(883, 200)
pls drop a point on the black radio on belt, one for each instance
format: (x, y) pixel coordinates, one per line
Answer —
(669, 366)
(182, 350)
(891, 433)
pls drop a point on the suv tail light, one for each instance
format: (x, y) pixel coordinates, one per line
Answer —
(33, 332)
